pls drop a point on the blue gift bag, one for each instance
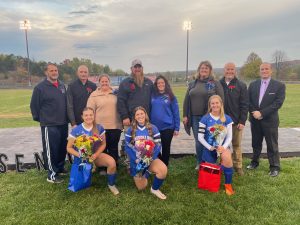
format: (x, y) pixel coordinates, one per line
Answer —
(81, 175)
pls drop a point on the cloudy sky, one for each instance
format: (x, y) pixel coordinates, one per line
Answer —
(114, 32)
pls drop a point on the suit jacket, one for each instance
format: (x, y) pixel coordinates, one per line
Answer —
(270, 104)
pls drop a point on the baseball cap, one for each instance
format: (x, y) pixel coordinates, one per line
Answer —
(136, 62)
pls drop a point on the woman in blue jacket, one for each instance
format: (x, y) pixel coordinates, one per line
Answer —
(165, 115)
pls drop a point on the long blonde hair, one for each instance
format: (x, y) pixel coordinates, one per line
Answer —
(134, 124)
(222, 113)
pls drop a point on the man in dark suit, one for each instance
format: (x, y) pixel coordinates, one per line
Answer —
(266, 96)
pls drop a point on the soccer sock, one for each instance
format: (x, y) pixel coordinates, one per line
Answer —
(157, 183)
(228, 172)
(111, 178)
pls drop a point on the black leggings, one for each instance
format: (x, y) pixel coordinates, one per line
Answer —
(112, 142)
(166, 138)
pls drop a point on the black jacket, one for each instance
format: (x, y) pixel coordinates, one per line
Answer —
(49, 104)
(236, 100)
(77, 96)
(270, 103)
(130, 96)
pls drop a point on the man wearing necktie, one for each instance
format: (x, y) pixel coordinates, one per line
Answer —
(266, 96)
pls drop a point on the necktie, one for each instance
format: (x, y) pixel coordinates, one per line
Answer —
(262, 91)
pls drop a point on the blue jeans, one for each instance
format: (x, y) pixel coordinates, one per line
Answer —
(199, 147)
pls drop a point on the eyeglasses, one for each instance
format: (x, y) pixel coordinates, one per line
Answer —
(137, 66)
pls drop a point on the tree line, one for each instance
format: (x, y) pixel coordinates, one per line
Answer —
(14, 68)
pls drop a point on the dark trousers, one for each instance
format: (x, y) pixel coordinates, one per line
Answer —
(54, 139)
(166, 139)
(112, 142)
(259, 131)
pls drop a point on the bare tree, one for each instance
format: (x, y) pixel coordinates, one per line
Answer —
(279, 57)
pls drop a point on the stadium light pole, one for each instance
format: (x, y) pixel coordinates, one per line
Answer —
(187, 25)
(25, 25)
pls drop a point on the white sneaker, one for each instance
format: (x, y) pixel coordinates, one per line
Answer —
(158, 194)
(113, 189)
(197, 167)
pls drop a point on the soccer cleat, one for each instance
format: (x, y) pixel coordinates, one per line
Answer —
(197, 167)
(158, 194)
(113, 189)
(56, 180)
(228, 189)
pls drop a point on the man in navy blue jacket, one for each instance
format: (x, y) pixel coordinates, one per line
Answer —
(49, 107)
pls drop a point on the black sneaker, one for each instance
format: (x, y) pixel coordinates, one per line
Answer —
(252, 166)
(56, 180)
(64, 172)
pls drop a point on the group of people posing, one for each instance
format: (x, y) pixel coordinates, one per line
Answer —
(147, 110)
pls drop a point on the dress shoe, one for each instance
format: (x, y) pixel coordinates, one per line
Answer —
(252, 166)
(274, 173)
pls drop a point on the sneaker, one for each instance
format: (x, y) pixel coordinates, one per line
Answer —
(158, 194)
(64, 172)
(252, 166)
(228, 189)
(197, 167)
(113, 189)
(56, 180)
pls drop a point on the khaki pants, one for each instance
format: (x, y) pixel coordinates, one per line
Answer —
(237, 149)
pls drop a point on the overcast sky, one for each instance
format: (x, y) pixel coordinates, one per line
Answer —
(114, 32)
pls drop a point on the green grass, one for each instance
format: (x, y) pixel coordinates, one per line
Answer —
(15, 112)
(259, 199)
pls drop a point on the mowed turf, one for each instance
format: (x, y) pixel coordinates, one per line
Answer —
(259, 199)
(15, 111)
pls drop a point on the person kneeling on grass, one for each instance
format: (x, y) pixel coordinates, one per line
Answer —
(89, 128)
(207, 135)
(143, 160)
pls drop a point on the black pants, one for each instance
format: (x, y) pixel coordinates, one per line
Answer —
(166, 138)
(259, 131)
(112, 142)
(54, 139)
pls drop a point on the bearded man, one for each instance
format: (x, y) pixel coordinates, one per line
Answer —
(134, 91)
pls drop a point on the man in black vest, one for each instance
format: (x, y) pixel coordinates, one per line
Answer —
(77, 95)
(266, 96)
(236, 106)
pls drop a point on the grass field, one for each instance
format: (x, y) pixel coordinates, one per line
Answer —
(259, 199)
(15, 112)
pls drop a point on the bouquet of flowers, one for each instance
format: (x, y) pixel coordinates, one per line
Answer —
(86, 145)
(218, 133)
(144, 152)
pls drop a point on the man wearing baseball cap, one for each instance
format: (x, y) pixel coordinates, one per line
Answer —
(134, 91)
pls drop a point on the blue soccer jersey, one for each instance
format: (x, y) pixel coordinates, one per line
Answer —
(205, 124)
(80, 130)
(141, 134)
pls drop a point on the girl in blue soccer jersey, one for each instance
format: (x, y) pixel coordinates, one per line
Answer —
(89, 127)
(207, 129)
(142, 129)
